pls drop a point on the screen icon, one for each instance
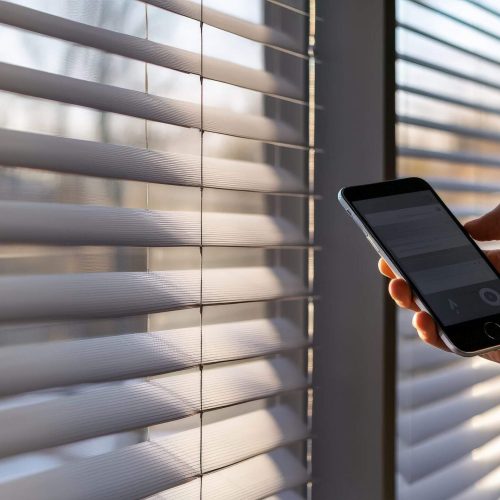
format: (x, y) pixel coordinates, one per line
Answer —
(490, 296)
(454, 306)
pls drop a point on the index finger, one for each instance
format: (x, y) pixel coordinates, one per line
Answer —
(384, 268)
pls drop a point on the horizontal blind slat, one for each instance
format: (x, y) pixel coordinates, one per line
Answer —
(456, 19)
(99, 38)
(121, 407)
(75, 156)
(32, 367)
(66, 224)
(231, 285)
(228, 385)
(250, 176)
(486, 8)
(415, 355)
(226, 341)
(165, 462)
(485, 489)
(259, 128)
(98, 295)
(114, 99)
(286, 495)
(442, 41)
(239, 438)
(228, 441)
(252, 31)
(129, 473)
(440, 451)
(269, 475)
(462, 186)
(449, 71)
(36, 83)
(448, 99)
(276, 471)
(475, 133)
(249, 78)
(146, 50)
(232, 229)
(453, 479)
(435, 418)
(435, 385)
(461, 157)
(98, 412)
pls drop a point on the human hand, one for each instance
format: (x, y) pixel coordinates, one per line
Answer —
(486, 228)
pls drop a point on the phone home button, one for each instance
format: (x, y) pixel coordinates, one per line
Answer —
(492, 330)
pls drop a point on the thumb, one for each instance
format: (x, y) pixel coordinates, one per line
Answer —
(486, 227)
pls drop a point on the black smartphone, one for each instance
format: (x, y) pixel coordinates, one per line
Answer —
(423, 243)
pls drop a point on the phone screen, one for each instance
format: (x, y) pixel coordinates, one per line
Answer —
(432, 251)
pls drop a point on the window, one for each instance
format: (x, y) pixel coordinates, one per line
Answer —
(447, 102)
(156, 199)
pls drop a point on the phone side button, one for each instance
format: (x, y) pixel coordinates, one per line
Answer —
(492, 330)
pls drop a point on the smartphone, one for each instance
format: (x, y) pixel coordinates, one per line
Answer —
(423, 243)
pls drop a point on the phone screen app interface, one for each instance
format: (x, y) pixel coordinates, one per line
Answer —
(429, 247)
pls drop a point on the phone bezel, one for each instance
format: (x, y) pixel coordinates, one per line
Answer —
(468, 337)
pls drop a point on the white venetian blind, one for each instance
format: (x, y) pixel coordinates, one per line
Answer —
(155, 247)
(448, 103)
